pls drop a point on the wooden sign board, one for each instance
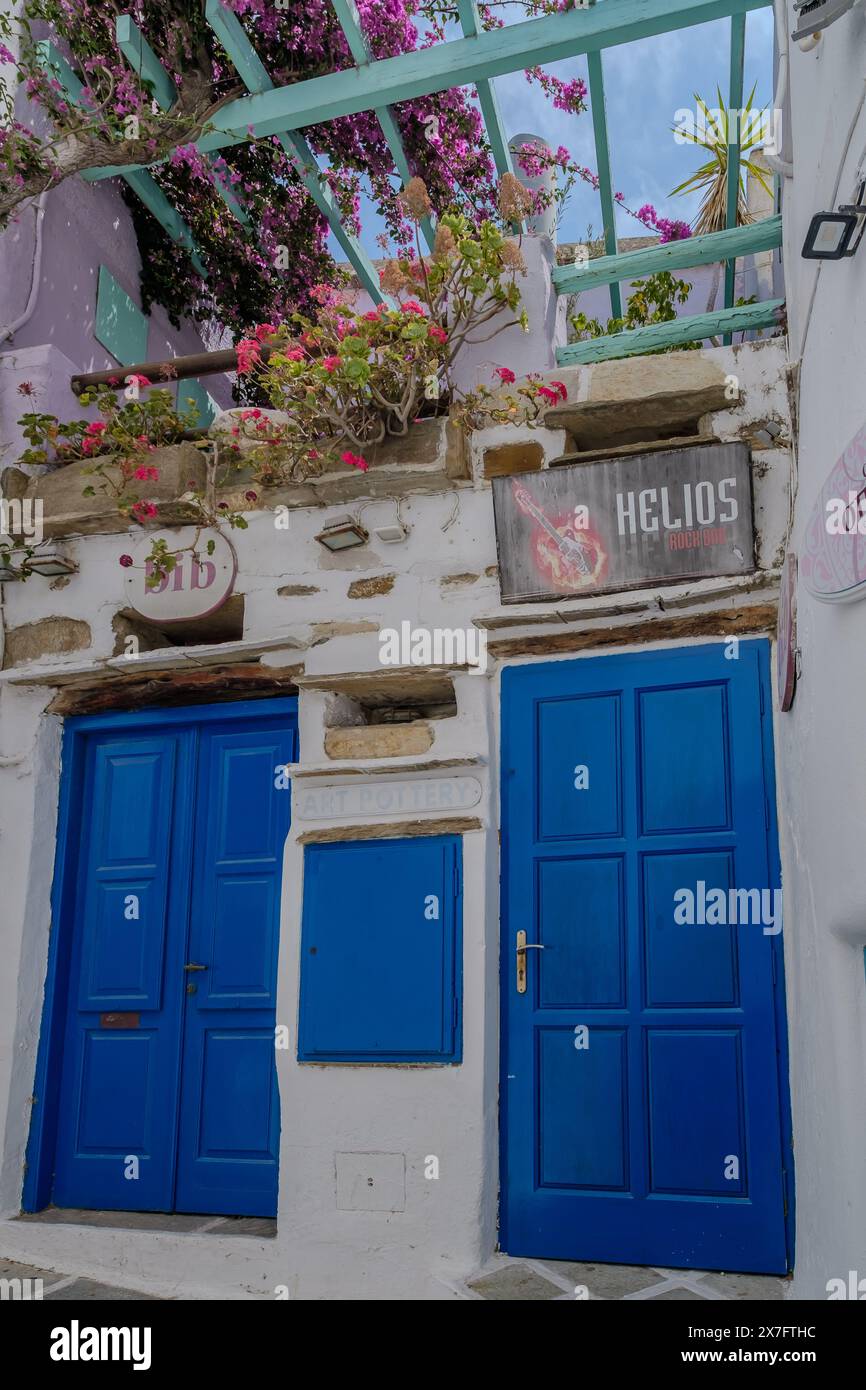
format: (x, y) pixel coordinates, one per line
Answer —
(622, 523)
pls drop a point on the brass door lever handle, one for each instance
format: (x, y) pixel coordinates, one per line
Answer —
(522, 947)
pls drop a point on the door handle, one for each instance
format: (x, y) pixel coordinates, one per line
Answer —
(192, 966)
(522, 947)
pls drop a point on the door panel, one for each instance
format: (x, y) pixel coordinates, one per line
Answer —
(230, 1121)
(642, 1111)
(127, 939)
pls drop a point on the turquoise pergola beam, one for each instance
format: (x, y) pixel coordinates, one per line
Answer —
(602, 164)
(459, 62)
(143, 61)
(252, 70)
(140, 181)
(463, 62)
(470, 22)
(735, 103)
(691, 329)
(764, 235)
(350, 23)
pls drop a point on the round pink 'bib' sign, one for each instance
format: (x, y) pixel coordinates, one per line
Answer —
(199, 584)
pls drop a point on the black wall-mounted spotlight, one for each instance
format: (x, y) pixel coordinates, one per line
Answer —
(834, 235)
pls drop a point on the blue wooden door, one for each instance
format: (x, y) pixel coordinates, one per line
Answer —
(168, 1095)
(643, 1099)
(229, 1117)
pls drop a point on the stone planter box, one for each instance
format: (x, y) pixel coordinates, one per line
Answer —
(66, 511)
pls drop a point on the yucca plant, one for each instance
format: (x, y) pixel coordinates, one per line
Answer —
(712, 177)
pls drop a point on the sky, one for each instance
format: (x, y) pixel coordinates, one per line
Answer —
(645, 84)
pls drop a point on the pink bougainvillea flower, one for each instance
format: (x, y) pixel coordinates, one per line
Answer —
(560, 387)
(249, 353)
(331, 363)
(355, 461)
(506, 375)
(126, 561)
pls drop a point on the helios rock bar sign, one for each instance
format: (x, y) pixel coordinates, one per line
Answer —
(592, 528)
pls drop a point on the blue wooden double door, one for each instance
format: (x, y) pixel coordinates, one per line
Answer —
(644, 1075)
(168, 1098)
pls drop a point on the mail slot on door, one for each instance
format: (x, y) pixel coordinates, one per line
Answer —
(119, 1020)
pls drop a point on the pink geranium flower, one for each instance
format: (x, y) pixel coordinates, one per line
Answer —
(331, 364)
(506, 375)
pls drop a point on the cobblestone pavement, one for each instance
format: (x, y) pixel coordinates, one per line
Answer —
(503, 1280)
(58, 1286)
(507, 1280)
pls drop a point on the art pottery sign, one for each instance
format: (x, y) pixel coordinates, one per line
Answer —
(594, 528)
(361, 798)
(198, 585)
(833, 562)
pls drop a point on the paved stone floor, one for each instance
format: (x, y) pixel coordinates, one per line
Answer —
(506, 1280)
(60, 1287)
(155, 1221)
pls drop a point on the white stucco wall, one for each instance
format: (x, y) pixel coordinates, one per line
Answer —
(822, 763)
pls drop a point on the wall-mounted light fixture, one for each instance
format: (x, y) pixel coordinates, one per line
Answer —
(834, 235)
(342, 533)
(51, 564)
(16, 563)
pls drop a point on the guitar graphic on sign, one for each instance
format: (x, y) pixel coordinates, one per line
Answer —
(572, 559)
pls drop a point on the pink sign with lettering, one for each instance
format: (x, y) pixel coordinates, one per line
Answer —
(200, 583)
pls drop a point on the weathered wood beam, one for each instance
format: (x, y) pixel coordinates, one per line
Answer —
(735, 102)
(602, 164)
(692, 329)
(764, 235)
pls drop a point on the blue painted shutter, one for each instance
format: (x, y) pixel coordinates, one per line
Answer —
(380, 953)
